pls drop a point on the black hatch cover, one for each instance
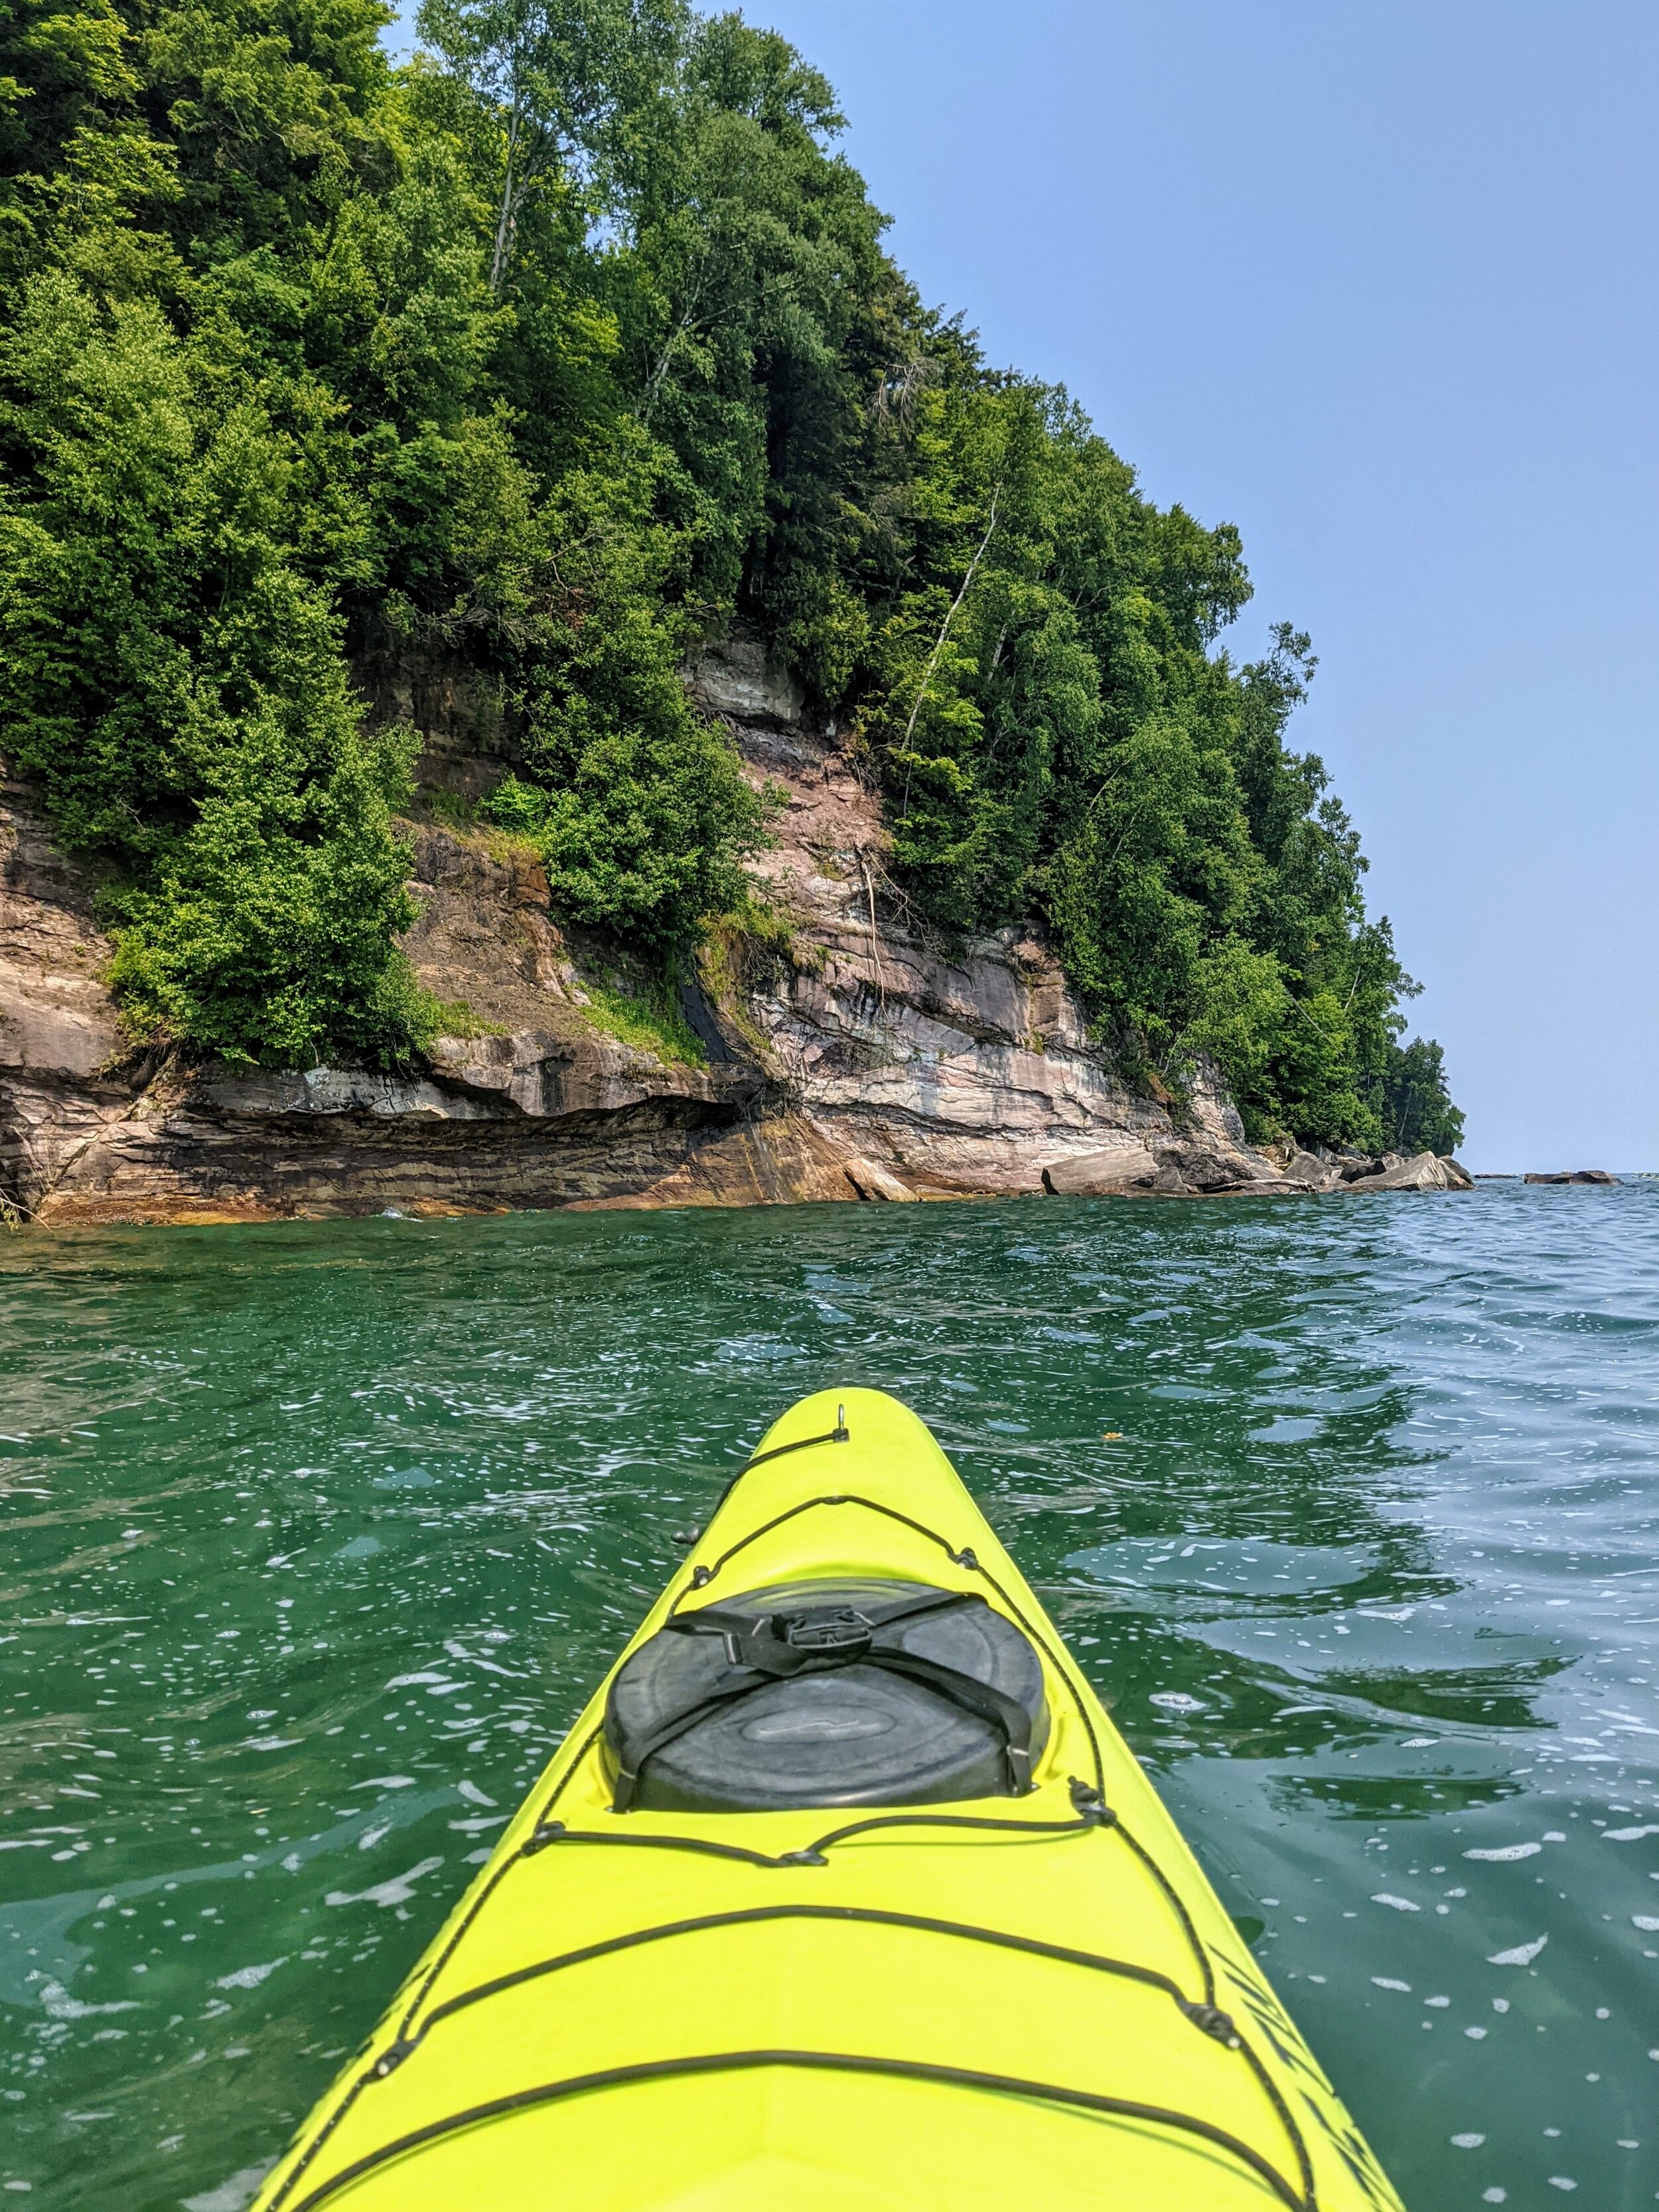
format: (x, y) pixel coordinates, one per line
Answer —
(845, 1692)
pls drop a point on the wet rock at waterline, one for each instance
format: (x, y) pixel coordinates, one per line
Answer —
(1172, 1167)
(846, 1059)
(872, 1181)
(1176, 1170)
(1422, 1172)
(1121, 1168)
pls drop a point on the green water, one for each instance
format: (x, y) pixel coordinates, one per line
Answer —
(318, 1535)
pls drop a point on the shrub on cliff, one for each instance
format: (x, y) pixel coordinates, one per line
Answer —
(639, 807)
(175, 684)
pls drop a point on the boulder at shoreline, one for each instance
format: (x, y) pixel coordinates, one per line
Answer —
(1422, 1172)
(1198, 1169)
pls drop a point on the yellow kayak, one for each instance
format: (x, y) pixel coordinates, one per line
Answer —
(843, 1891)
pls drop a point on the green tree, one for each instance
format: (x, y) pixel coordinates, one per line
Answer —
(558, 83)
(640, 808)
(560, 350)
(174, 681)
(1418, 1114)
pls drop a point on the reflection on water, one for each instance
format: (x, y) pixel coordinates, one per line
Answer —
(317, 1536)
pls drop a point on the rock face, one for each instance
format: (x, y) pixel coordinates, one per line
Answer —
(1310, 1171)
(1422, 1172)
(737, 681)
(1123, 1169)
(469, 741)
(850, 1058)
(873, 1182)
(545, 1109)
(1183, 1167)
(1583, 1175)
(1170, 1167)
(971, 1073)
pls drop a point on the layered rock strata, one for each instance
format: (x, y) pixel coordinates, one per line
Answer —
(969, 1071)
(846, 1056)
(542, 1107)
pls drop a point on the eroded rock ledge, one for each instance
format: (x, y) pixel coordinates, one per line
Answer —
(546, 1110)
(850, 1059)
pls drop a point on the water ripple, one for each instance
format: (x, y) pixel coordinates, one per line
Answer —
(318, 1535)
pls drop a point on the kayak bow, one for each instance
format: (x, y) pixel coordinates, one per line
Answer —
(843, 1889)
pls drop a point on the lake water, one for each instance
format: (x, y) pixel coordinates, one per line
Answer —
(317, 1536)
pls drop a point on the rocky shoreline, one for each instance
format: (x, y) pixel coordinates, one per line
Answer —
(1177, 1171)
(845, 1057)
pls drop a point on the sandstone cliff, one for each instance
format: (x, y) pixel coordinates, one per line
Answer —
(846, 1058)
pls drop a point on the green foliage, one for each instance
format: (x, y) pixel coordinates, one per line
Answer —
(265, 935)
(173, 680)
(1418, 1114)
(558, 85)
(1056, 731)
(560, 349)
(639, 809)
(753, 947)
(647, 1017)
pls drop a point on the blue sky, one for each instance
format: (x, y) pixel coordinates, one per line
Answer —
(1376, 283)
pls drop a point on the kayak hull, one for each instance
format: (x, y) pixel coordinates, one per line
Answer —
(1032, 1999)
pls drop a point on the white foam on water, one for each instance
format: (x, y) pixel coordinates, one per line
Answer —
(1521, 1955)
(57, 2004)
(231, 2195)
(249, 1977)
(400, 1890)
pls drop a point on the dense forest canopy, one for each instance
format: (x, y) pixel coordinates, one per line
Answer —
(569, 344)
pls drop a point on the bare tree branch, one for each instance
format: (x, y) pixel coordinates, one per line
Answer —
(945, 629)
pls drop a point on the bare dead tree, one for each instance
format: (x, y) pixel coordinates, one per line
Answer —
(945, 627)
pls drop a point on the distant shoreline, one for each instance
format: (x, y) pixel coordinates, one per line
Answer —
(1580, 1178)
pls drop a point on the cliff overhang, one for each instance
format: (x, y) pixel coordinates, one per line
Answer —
(849, 1057)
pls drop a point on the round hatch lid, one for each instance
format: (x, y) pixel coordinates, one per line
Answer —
(704, 1731)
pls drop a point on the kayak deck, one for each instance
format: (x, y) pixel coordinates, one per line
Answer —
(1032, 1999)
